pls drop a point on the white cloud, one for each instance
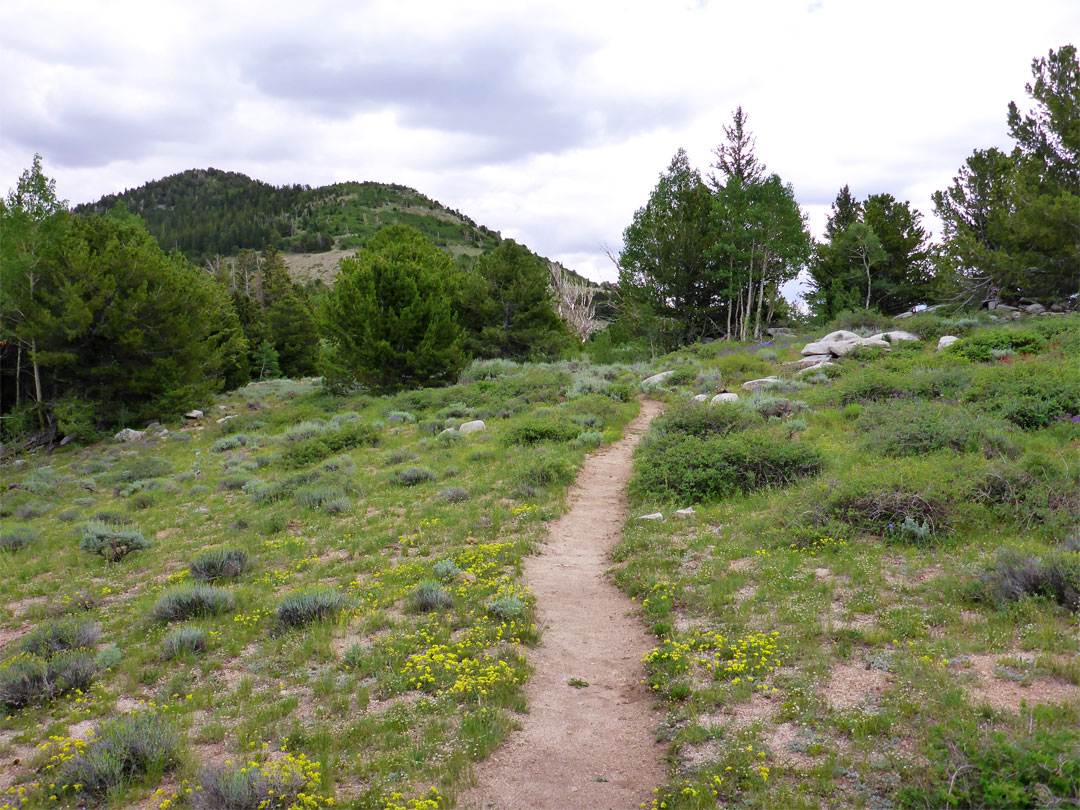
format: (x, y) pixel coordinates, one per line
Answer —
(549, 121)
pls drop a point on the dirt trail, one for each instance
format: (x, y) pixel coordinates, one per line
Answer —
(591, 747)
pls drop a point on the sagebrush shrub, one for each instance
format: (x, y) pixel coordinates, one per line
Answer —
(913, 428)
(315, 497)
(142, 469)
(60, 636)
(348, 436)
(301, 608)
(454, 494)
(704, 420)
(430, 595)
(112, 541)
(542, 470)
(1055, 576)
(445, 570)
(126, 748)
(193, 600)
(412, 476)
(506, 608)
(885, 510)
(183, 641)
(229, 442)
(218, 563)
(18, 538)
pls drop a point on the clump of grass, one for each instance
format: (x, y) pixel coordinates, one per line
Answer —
(18, 538)
(218, 563)
(301, 608)
(454, 494)
(193, 600)
(429, 595)
(112, 540)
(1053, 576)
(184, 641)
(412, 476)
(127, 748)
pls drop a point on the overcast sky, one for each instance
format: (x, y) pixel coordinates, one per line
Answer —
(548, 121)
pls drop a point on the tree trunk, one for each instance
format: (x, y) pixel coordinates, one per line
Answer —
(867, 265)
(18, 371)
(37, 382)
(749, 298)
(760, 296)
(727, 335)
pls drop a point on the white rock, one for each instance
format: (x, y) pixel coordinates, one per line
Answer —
(473, 427)
(656, 379)
(810, 360)
(1034, 309)
(1005, 308)
(945, 341)
(129, 435)
(701, 397)
(757, 385)
(840, 349)
(685, 513)
(652, 516)
(224, 419)
(811, 349)
(725, 397)
(894, 337)
(839, 335)
(193, 415)
(902, 315)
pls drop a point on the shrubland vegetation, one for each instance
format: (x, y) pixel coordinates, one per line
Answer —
(888, 621)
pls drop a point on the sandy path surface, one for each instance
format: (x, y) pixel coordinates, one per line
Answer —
(592, 747)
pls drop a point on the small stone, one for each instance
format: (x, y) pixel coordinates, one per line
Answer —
(129, 435)
(652, 516)
(727, 396)
(196, 414)
(757, 385)
(473, 426)
(945, 341)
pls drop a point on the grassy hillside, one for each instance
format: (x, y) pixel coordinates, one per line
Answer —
(329, 598)
(321, 596)
(875, 601)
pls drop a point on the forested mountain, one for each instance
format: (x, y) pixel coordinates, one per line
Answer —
(208, 212)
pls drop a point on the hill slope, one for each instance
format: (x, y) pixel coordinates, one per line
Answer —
(209, 212)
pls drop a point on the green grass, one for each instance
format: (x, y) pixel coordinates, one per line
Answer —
(358, 701)
(937, 541)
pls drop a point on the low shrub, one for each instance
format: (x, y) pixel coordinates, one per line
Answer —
(1054, 576)
(1030, 394)
(61, 636)
(430, 595)
(895, 512)
(589, 440)
(348, 436)
(18, 538)
(704, 420)
(400, 416)
(454, 494)
(774, 407)
(306, 430)
(142, 469)
(184, 641)
(218, 563)
(301, 608)
(412, 476)
(112, 541)
(694, 470)
(913, 428)
(193, 600)
(26, 678)
(979, 347)
(542, 470)
(445, 570)
(535, 430)
(1034, 490)
(125, 749)
(229, 442)
(29, 511)
(315, 497)
(506, 608)
(272, 785)
(860, 320)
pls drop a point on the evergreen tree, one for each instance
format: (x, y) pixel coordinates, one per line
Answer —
(388, 320)
(507, 308)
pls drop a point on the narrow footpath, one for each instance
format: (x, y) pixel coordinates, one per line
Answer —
(590, 747)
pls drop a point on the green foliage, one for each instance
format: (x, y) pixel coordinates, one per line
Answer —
(388, 318)
(506, 307)
(703, 420)
(303, 607)
(112, 541)
(975, 765)
(540, 469)
(60, 636)
(692, 469)
(143, 469)
(126, 748)
(192, 601)
(218, 563)
(979, 347)
(541, 429)
(345, 436)
(913, 428)
(1014, 576)
(506, 608)
(229, 442)
(1031, 394)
